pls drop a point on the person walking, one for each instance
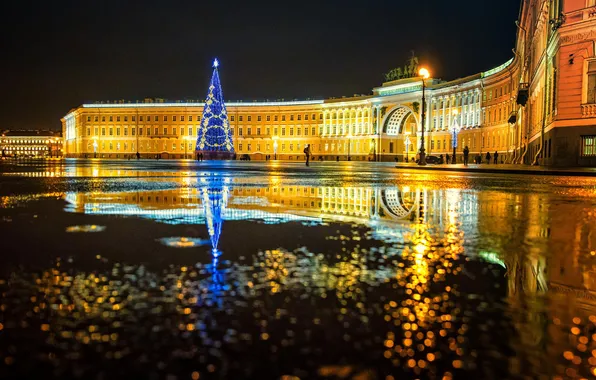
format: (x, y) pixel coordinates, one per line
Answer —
(447, 156)
(488, 157)
(466, 155)
(496, 157)
(307, 153)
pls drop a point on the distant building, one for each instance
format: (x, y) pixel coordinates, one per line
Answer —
(31, 143)
(537, 108)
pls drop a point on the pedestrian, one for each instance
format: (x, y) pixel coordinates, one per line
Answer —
(307, 153)
(466, 155)
(488, 157)
(496, 157)
(337, 158)
(447, 157)
(138, 156)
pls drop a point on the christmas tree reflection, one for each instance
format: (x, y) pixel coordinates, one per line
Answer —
(215, 196)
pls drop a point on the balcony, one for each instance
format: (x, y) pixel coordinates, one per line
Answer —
(523, 94)
(512, 117)
(588, 110)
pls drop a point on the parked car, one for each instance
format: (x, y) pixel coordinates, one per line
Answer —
(245, 157)
(433, 160)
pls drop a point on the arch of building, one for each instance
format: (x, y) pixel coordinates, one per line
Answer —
(393, 204)
(394, 120)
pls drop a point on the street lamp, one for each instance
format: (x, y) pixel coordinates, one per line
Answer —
(408, 142)
(455, 128)
(425, 75)
(349, 144)
(275, 147)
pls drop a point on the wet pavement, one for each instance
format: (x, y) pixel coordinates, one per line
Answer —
(185, 270)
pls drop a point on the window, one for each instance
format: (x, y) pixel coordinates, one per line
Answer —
(165, 130)
(182, 118)
(141, 118)
(111, 118)
(240, 147)
(305, 131)
(134, 118)
(95, 131)
(248, 147)
(306, 117)
(111, 131)
(125, 118)
(259, 118)
(117, 118)
(96, 118)
(141, 131)
(155, 131)
(283, 117)
(103, 118)
(189, 117)
(283, 131)
(240, 118)
(125, 131)
(588, 146)
(313, 131)
(591, 83)
(249, 131)
(275, 118)
(174, 130)
(249, 118)
(232, 118)
(268, 131)
(134, 130)
(258, 130)
(190, 131)
(268, 118)
(165, 118)
(291, 131)
(88, 131)
(156, 118)
(240, 131)
(88, 118)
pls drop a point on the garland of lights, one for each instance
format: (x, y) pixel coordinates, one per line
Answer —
(215, 134)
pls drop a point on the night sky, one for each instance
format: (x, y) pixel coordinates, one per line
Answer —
(59, 54)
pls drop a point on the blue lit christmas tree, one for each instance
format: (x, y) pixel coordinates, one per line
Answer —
(215, 135)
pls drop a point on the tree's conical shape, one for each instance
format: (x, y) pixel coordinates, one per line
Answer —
(214, 133)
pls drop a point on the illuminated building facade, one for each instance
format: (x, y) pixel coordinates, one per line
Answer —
(31, 143)
(537, 108)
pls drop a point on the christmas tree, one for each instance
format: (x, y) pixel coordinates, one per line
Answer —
(215, 135)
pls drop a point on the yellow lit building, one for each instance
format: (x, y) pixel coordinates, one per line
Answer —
(537, 108)
(31, 143)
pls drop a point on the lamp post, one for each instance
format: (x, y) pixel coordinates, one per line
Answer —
(455, 128)
(349, 145)
(408, 142)
(275, 147)
(425, 75)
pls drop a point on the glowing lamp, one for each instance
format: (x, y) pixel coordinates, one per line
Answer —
(424, 73)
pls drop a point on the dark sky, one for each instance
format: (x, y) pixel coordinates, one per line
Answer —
(56, 55)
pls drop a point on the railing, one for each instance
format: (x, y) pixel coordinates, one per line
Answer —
(588, 110)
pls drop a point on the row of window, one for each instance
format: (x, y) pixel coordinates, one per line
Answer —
(27, 141)
(184, 118)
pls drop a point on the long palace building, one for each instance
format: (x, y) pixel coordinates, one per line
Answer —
(537, 108)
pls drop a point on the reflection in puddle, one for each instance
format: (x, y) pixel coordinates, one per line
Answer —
(411, 280)
(86, 228)
(183, 242)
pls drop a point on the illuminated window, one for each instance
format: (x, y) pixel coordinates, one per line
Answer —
(588, 147)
